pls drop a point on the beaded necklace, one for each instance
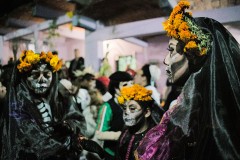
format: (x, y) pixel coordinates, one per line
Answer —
(129, 147)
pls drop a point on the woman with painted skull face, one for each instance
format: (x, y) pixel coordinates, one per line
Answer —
(138, 106)
(203, 124)
(35, 113)
(110, 122)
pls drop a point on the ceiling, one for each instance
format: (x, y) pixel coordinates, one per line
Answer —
(17, 14)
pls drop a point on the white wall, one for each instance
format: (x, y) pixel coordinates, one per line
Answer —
(119, 47)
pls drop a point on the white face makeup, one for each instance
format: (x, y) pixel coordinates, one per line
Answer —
(132, 113)
(40, 79)
(177, 64)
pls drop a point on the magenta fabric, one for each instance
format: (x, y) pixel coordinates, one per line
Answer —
(156, 139)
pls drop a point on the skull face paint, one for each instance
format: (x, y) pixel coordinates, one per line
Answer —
(40, 79)
(132, 113)
(177, 64)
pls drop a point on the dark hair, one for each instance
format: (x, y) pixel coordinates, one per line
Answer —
(101, 87)
(88, 77)
(55, 52)
(146, 73)
(156, 111)
(146, 104)
(116, 78)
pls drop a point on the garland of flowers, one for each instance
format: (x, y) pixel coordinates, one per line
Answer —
(181, 26)
(28, 59)
(135, 92)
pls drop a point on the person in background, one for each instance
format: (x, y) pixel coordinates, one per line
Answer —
(11, 61)
(102, 84)
(6, 72)
(3, 91)
(203, 124)
(85, 84)
(110, 122)
(147, 77)
(76, 64)
(55, 52)
(130, 71)
(63, 72)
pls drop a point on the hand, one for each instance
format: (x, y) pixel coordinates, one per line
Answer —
(82, 143)
(76, 143)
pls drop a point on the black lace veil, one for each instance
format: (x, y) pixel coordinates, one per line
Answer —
(208, 117)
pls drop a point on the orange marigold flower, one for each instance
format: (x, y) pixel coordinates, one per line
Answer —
(29, 58)
(183, 26)
(185, 35)
(203, 51)
(135, 92)
(191, 44)
(184, 3)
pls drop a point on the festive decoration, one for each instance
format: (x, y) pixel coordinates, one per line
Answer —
(181, 26)
(28, 59)
(135, 92)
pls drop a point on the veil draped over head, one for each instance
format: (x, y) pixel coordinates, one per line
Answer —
(20, 132)
(205, 123)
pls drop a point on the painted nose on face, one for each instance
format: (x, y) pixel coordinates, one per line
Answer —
(127, 111)
(167, 60)
(41, 78)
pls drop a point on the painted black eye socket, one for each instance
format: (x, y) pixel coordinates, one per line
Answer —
(170, 49)
(35, 75)
(47, 74)
(124, 107)
(132, 108)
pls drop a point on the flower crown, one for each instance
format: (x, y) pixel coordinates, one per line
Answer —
(134, 92)
(181, 26)
(28, 59)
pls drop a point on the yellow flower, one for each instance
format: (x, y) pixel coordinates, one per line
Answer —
(181, 26)
(203, 51)
(24, 66)
(43, 55)
(32, 58)
(59, 66)
(185, 35)
(70, 14)
(120, 100)
(190, 46)
(135, 92)
(54, 61)
(29, 58)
